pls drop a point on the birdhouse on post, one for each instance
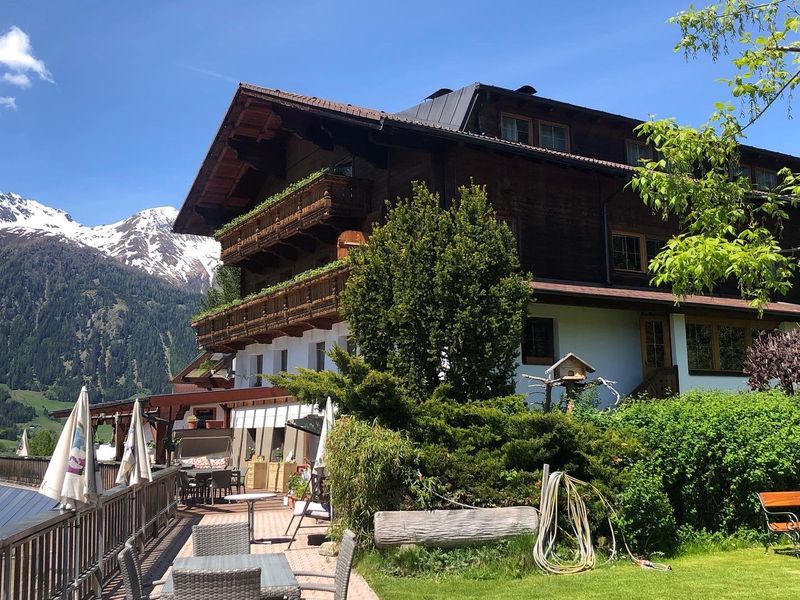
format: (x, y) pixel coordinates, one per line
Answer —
(570, 368)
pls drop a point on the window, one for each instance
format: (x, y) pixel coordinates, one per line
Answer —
(319, 356)
(538, 346)
(626, 252)
(765, 180)
(259, 370)
(636, 152)
(554, 136)
(654, 247)
(284, 360)
(717, 345)
(351, 347)
(655, 343)
(515, 129)
(742, 171)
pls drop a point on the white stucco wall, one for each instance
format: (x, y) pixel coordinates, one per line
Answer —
(608, 339)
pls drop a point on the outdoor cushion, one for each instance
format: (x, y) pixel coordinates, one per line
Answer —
(187, 462)
(202, 462)
(218, 463)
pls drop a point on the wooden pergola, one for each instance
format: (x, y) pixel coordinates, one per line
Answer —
(163, 410)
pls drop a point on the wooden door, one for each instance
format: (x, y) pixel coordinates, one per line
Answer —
(656, 351)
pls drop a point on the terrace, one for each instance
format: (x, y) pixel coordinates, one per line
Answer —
(315, 208)
(309, 301)
(59, 554)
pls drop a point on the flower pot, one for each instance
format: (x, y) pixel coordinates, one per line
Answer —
(191, 424)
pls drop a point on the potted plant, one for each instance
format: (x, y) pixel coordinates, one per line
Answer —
(191, 422)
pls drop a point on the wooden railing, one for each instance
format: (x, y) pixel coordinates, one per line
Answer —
(327, 198)
(308, 303)
(659, 383)
(29, 470)
(70, 555)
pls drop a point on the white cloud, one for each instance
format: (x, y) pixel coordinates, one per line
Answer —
(16, 54)
(18, 79)
(8, 103)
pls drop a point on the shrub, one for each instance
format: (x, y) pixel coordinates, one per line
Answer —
(774, 357)
(645, 515)
(715, 450)
(369, 468)
(42, 443)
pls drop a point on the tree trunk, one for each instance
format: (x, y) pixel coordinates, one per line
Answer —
(453, 527)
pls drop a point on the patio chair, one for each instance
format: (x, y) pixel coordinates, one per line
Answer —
(238, 480)
(220, 483)
(184, 488)
(313, 504)
(341, 576)
(201, 486)
(233, 584)
(131, 570)
(216, 540)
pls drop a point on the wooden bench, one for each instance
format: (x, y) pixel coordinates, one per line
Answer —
(778, 519)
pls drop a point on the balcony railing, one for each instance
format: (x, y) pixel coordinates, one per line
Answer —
(309, 303)
(327, 199)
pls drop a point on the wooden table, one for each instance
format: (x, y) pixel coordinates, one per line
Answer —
(277, 579)
(251, 500)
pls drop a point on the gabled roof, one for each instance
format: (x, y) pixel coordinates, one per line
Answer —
(569, 355)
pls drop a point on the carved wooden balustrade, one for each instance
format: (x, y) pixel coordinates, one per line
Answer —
(306, 304)
(328, 199)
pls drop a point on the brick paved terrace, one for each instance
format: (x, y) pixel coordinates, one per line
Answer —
(271, 518)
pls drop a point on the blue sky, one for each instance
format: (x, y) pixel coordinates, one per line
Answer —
(138, 89)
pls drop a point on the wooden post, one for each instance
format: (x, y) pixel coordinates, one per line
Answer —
(119, 439)
(545, 483)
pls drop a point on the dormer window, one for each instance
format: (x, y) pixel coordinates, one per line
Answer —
(636, 152)
(554, 136)
(515, 129)
(765, 179)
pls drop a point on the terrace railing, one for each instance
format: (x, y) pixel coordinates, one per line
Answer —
(326, 199)
(29, 470)
(70, 555)
(311, 302)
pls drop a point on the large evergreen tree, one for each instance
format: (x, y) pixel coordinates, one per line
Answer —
(437, 296)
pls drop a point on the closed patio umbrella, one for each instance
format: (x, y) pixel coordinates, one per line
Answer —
(23, 444)
(135, 466)
(73, 475)
(328, 421)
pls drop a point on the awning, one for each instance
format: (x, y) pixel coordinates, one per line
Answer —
(269, 416)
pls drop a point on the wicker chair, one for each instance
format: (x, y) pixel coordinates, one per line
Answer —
(238, 480)
(184, 489)
(131, 570)
(216, 540)
(201, 486)
(341, 576)
(234, 584)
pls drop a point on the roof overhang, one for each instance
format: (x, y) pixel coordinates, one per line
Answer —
(614, 296)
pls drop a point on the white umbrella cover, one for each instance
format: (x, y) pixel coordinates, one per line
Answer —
(73, 475)
(328, 421)
(135, 466)
(23, 445)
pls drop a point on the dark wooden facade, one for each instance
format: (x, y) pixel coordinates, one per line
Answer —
(563, 206)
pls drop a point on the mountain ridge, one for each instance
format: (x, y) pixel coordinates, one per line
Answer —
(144, 240)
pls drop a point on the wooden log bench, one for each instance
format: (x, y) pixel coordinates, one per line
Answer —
(448, 528)
(778, 519)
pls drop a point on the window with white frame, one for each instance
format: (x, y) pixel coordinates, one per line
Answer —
(515, 129)
(554, 136)
(259, 371)
(626, 251)
(636, 152)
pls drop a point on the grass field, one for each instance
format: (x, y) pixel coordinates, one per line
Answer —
(747, 573)
(39, 403)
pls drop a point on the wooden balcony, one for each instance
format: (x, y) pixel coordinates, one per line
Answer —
(335, 200)
(307, 304)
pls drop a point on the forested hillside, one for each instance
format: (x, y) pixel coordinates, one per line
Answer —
(70, 316)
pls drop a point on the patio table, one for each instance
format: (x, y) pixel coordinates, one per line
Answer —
(277, 579)
(251, 500)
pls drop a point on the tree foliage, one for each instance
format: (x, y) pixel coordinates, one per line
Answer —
(227, 288)
(730, 229)
(42, 443)
(437, 295)
(774, 357)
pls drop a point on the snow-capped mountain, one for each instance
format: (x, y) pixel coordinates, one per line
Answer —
(144, 241)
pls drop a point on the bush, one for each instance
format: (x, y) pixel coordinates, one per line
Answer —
(646, 517)
(42, 443)
(369, 468)
(715, 450)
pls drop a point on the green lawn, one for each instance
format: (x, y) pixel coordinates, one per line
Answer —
(39, 403)
(745, 573)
